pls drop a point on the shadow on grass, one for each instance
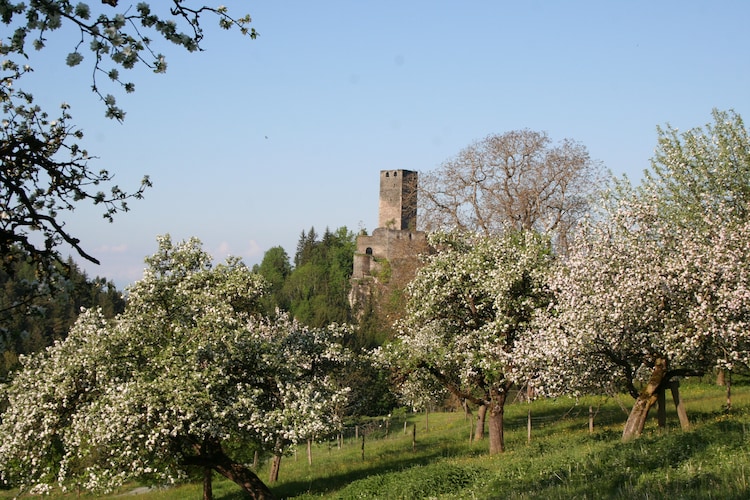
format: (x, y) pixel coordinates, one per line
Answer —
(385, 462)
(679, 464)
(550, 420)
(581, 465)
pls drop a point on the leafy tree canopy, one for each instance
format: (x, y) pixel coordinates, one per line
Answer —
(318, 287)
(275, 268)
(702, 170)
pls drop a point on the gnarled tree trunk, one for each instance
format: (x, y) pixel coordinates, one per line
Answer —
(245, 478)
(646, 399)
(497, 412)
(210, 455)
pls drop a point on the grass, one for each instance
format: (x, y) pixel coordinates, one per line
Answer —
(562, 459)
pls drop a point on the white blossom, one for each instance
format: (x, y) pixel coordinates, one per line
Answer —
(187, 363)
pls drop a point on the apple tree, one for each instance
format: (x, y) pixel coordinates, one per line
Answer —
(657, 287)
(188, 368)
(701, 170)
(468, 307)
(638, 305)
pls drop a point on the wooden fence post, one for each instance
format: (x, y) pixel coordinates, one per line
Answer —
(363, 448)
(471, 430)
(729, 391)
(414, 437)
(528, 427)
(591, 419)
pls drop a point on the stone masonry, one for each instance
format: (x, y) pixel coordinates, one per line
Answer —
(387, 260)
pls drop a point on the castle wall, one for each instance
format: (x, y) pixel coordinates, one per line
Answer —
(387, 260)
(386, 245)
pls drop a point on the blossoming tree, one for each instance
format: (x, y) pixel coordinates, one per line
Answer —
(468, 307)
(659, 286)
(701, 170)
(637, 301)
(186, 369)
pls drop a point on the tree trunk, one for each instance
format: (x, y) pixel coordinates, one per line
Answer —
(241, 475)
(646, 399)
(681, 412)
(210, 455)
(208, 493)
(497, 411)
(275, 466)
(481, 418)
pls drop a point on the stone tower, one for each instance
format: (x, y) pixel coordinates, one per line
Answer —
(388, 258)
(398, 200)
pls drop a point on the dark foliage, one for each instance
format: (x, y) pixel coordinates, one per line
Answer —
(36, 310)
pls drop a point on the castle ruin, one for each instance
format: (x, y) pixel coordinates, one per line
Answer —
(387, 260)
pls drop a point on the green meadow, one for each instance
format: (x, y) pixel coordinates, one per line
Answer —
(431, 456)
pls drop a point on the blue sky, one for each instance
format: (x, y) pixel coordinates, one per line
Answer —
(252, 141)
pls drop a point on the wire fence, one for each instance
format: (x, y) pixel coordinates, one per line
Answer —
(521, 412)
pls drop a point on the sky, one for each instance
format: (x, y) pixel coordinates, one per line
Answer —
(250, 142)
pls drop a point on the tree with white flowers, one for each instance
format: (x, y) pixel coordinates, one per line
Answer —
(638, 305)
(186, 369)
(699, 171)
(468, 307)
(659, 287)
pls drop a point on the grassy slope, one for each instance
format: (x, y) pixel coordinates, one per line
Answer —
(563, 460)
